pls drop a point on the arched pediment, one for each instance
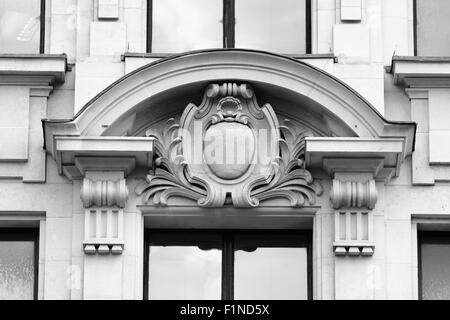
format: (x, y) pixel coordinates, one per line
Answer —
(266, 69)
(161, 90)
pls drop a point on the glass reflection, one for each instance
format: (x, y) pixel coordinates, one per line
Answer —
(16, 270)
(270, 267)
(185, 25)
(278, 25)
(20, 26)
(184, 272)
(435, 271)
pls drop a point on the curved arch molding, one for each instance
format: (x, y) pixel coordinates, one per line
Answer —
(218, 66)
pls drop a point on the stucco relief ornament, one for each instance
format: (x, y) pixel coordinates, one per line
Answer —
(229, 150)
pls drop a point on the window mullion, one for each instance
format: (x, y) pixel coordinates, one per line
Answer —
(42, 28)
(228, 23)
(228, 267)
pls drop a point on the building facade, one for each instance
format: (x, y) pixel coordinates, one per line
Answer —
(224, 149)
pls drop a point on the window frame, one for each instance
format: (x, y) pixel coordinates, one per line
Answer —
(228, 237)
(228, 18)
(25, 234)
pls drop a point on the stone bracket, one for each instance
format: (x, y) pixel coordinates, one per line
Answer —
(353, 233)
(103, 231)
(103, 225)
(353, 202)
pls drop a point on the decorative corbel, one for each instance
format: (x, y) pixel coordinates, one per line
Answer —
(353, 203)
(103, 202)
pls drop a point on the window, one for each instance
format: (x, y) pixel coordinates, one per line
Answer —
(212, 265)
(432, 27)
(18, 264)
(281, 26)
(434, 262)
(22, 26)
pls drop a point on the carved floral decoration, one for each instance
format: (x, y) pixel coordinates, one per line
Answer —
(233, 107)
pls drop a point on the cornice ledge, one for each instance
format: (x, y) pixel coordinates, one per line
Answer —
(421, 72)
(32, 69)
(76, 155)
(380, 157)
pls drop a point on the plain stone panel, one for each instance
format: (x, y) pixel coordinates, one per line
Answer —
(63, 33)
(92, 77)
(54, 199)
(103, 277)
(351, 10)
(130, 265)
(62, 6)
(136, 26)
(134, 4)
(58, 240)
(351, 41)
(89, 89)
(326, 20)
(396, 106)
(398, 241)
(371, 89)
(14, 123)
(36, 163)
(361, 285)
(395, 38)
(439, 108)
(132, 64)
(326, 5)
(440, 147)
(61, 104)
(14, 144)
(85, 15)
(108, 38)
(14, 106)
(420, 114)
(398, 281)
(75, 278)
(77, 235)
(108, 9)
(56, 280)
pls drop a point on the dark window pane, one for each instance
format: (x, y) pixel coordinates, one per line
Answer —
(20, 26)
(185, 267)
(276, 25)
(185, 25)
(433, 27)
(435, 271)
(17, 270)
(270, 268)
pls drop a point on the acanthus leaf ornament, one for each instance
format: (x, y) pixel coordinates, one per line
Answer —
(168, 178)
(193, 157)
